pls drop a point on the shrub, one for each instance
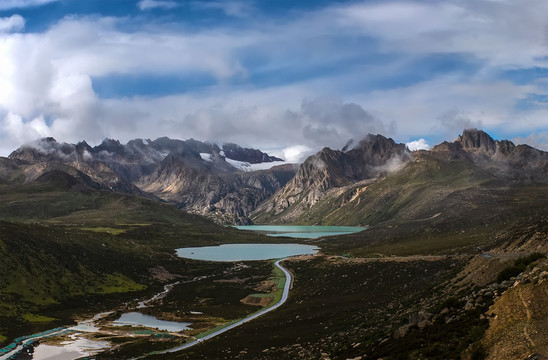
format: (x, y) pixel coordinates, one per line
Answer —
(519, 266)
(509, 272)
(451, 302)
(529, 259)
(477, 352)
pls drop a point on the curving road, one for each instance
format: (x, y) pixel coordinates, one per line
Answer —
(285, 294)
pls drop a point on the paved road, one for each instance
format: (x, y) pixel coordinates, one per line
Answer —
(287, 286)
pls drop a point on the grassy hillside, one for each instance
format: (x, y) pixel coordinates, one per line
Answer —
(422, 189)
(67, 248)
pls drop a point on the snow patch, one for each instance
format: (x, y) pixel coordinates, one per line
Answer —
(266, 165)
(240, 165)
(247, 167)
(207, 157)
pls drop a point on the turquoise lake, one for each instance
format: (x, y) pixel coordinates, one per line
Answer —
(246, 252)
(137, 319)
(249, 252)
(301, 231)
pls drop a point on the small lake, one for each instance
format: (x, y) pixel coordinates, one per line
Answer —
(137, 319)
(69, 350)
(301, 231)
(246, 252)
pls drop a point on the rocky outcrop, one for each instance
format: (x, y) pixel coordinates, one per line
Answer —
(419, 320)
(502, 159)
(252, 156)
(473, 139)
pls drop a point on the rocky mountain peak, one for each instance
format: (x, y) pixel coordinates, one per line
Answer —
(363, 161)
(49, 139)
(252, 156)
(376, 150)
(44, 149)
(111, 146)
(138, 143)
(373, 157)
(327, 168)
(472, 139)
(83, 144)
(474, 142)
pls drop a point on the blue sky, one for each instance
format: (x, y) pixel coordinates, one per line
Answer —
(285, 76)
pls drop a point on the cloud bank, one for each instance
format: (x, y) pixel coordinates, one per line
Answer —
(12, 23)
(293, 83)
(20, 4)
(420, 144)
(156, 4)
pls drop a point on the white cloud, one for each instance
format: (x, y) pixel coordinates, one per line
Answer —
(50, 75)
(296, 153)
(155, 4)
(503, 33)
(419, 144)
(402, 20)
(12, 23)
(231, 8)
(97, 48)
(19, 4)
(536, 140)
(443, 107)
(19, 132)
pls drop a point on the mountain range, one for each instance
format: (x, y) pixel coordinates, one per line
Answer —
(234, 185)
(380, 180)
(451, 264)
(223, 183)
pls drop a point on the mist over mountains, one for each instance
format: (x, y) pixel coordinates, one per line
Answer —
(197, 176)
(231, 184)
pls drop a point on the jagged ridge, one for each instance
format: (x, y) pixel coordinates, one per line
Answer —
(194, 175)
(378, 181)
(374, 157)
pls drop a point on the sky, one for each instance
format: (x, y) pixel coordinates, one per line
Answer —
(285, 76)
